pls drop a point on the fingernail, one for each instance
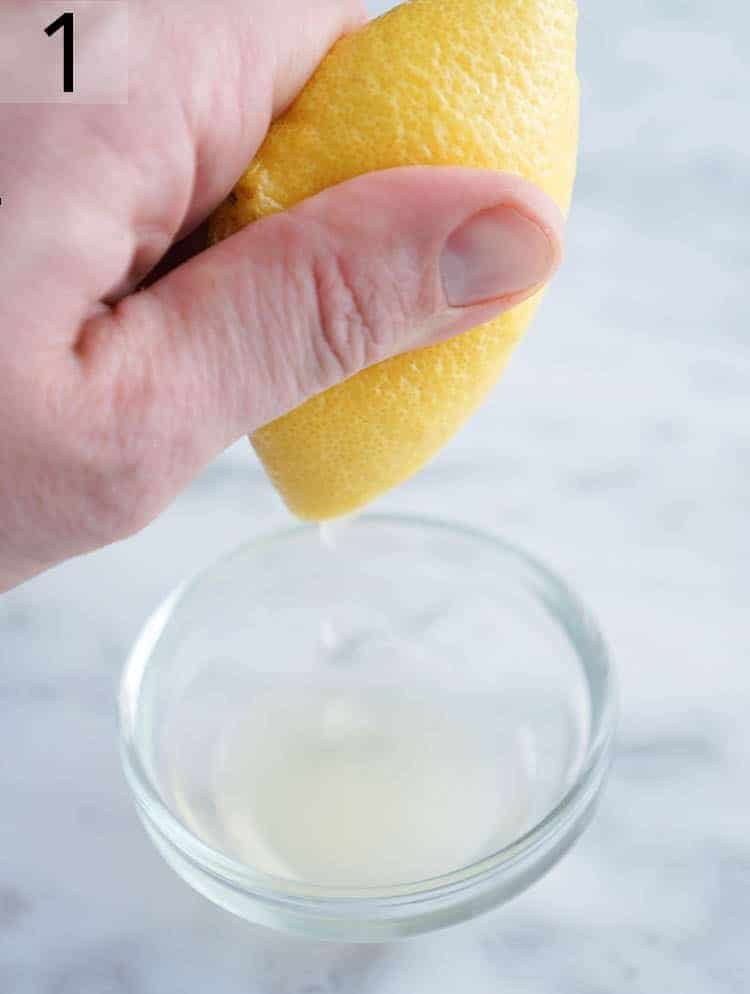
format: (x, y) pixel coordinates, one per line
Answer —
(496, 253)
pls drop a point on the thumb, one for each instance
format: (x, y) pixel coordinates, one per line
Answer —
(299, 301)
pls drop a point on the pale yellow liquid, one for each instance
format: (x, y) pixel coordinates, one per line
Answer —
(366, 787)
(367, 773)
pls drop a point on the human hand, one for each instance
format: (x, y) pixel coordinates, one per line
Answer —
(111, 400)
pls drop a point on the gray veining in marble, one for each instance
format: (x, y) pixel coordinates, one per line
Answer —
(618, 449)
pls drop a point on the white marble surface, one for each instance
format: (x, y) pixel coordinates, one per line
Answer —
(617, 448)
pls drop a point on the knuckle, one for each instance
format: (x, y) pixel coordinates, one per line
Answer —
(114, 488)
(114, 452)
(123, 480)
(120, 498)
(357, 315)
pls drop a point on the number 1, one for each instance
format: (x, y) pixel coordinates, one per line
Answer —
(65, 21)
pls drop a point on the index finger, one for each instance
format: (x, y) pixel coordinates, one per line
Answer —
(229, 68)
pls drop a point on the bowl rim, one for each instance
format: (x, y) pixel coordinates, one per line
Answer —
(592, 651)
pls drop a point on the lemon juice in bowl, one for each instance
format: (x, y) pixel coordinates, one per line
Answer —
(318, 748)
(389, 756)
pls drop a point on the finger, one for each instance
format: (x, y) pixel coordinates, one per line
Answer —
(206, 80)
(230, 68)
(295, 303)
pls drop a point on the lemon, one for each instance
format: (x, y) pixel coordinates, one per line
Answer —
(480, 83)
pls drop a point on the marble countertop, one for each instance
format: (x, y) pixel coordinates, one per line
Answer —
(617, 449)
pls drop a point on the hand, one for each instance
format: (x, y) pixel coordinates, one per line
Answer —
(112, 400)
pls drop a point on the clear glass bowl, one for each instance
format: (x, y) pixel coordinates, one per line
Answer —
(370, 731)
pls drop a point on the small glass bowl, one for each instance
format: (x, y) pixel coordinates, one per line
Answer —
(462, 660)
